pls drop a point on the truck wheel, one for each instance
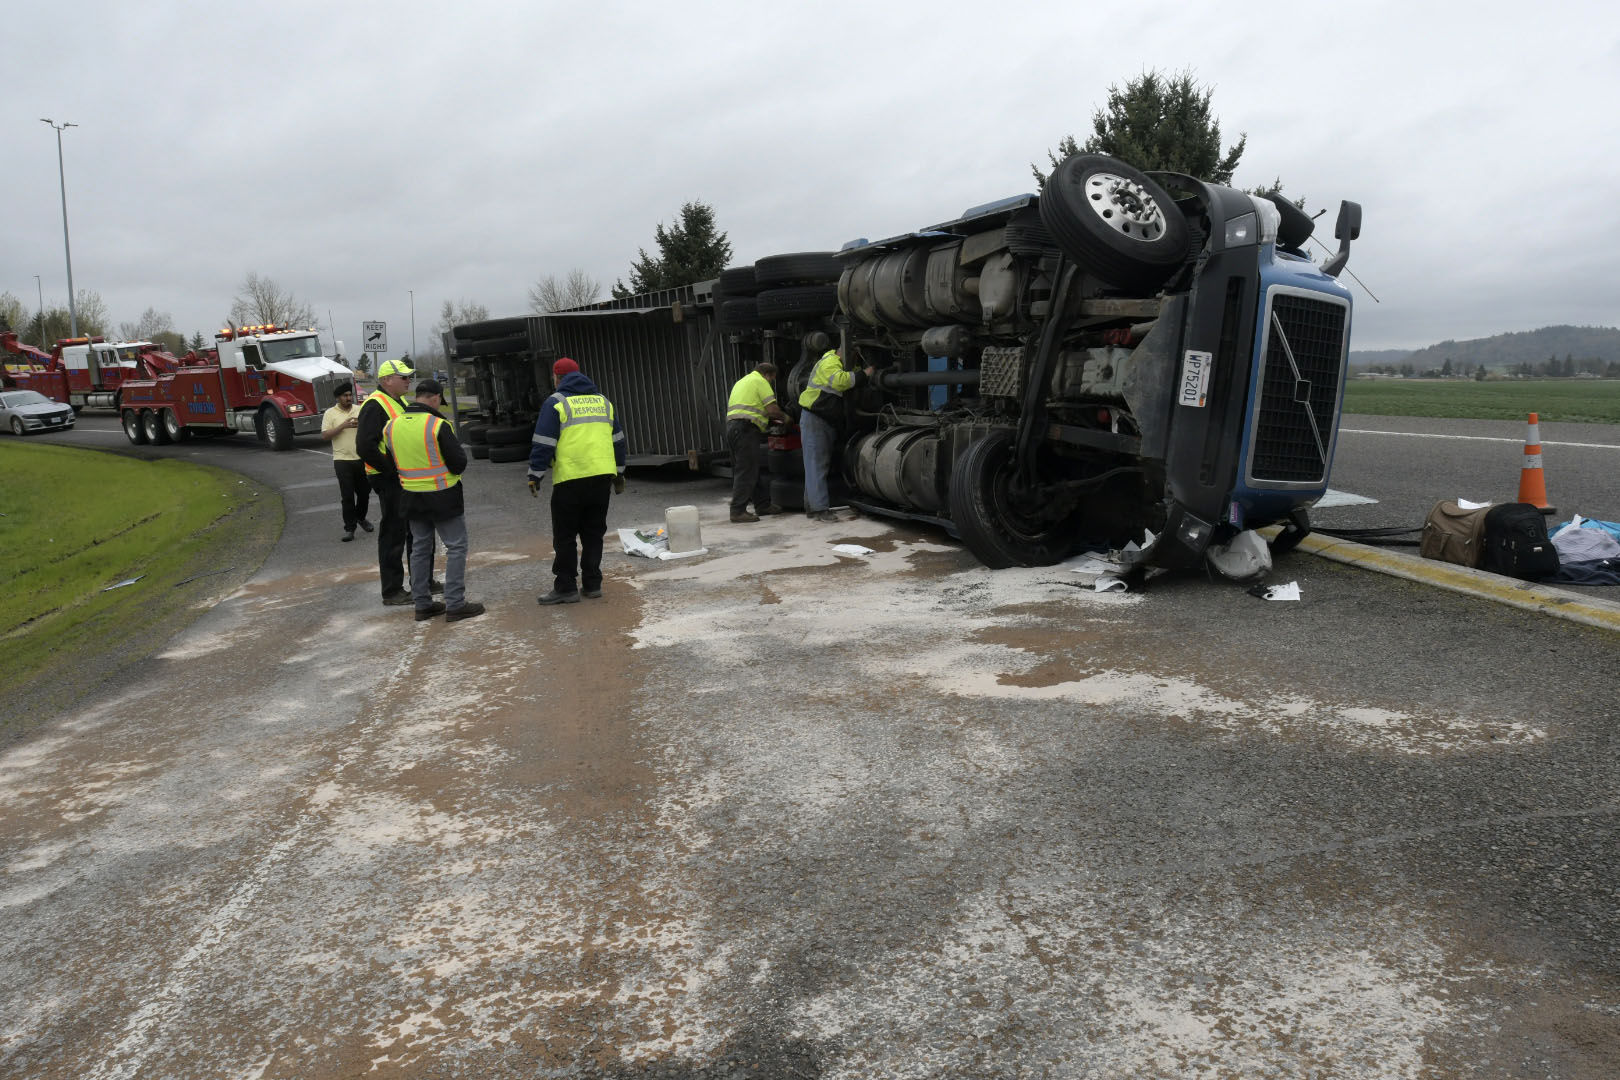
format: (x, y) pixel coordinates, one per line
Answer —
(476, 434)
(492, 346)
(788, 494)
(993, 522)
(278, 430)
(510, 436)
(799, 302)
(480, 451)
(152, 424)
(799, 268)
(509, 453)
(173, 428)
(744, 312)
(490, 328)
(785, 464)
(1114, 221)
(737, 281)
(133, 430)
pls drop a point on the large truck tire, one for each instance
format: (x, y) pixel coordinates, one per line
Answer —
(274, 429)
(133, 430)
(509, 436)
(480, 451)
(785, 464)
(798, 302)
(515, 343)
(152, 423)
(737, 281)
(173, 428)
(798, 268)
(743, 312)
(991, 526)
(474, 434)
(509, 453)
(788, 494)
(489, 328)
(1114, 221)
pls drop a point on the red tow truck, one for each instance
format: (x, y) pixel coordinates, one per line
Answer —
(84, 372)
(270, 380)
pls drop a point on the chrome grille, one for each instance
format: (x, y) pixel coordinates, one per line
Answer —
(1297, 406)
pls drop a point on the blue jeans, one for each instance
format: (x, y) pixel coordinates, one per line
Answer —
(817, 437)
(454, 535)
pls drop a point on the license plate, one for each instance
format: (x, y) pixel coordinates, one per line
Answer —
(1194, 378)
(54, 420)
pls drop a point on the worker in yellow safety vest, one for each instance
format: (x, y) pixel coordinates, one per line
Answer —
(579, 439)
(429, 460)
(749, 411)
(393, 533)
(821, 414)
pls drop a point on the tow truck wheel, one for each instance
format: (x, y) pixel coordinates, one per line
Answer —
(152, 424)
(133, 430)
(988, 514)
(173, 428)
(278, 430)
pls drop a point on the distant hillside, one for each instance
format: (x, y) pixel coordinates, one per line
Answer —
(1498, 353)
(1361, 359)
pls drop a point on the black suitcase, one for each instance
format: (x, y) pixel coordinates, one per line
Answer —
(1516, 543)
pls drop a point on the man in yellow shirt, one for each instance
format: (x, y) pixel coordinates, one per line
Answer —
(752, 406)
(354, 490)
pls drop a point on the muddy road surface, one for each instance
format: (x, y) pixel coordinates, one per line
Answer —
(778, 812)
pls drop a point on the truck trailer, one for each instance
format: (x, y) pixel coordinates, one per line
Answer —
(1122, 357)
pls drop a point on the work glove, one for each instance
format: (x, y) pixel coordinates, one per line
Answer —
(618, 483)
(535, 480)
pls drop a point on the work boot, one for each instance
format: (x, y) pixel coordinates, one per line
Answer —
(435, 586)
(398, 599)
(823, 515)
(772, 509)
(742, 517)
(348, 534)
(555, 597)
(423, 614)
(593, 593)
(366, 525)
(470, 610)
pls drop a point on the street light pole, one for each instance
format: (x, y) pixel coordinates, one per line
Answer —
(41, 289)
(67, 248)
(413, 324)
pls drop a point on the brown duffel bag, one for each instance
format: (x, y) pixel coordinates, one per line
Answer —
(1452, 534)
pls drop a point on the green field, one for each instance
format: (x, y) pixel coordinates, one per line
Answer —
(1586, 401)
(78, 521)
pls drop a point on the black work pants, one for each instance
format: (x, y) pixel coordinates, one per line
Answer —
(579, 513)
(750, 477)
(354, 491)
(393, 535)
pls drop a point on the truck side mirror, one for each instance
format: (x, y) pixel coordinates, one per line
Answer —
(1347, 229)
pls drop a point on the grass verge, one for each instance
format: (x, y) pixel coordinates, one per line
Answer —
(78, 521)
(1581, 401)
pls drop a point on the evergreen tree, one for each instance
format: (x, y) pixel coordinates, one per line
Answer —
(1158, 122)
(691, 250)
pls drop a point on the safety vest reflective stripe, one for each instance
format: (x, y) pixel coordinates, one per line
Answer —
(749, 397)
(585, 441)
(394, 409)
(745, 412)
(413, 442)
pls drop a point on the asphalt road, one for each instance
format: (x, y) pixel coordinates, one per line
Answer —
(777, 812)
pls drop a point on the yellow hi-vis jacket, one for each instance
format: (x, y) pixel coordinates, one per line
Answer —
(749, 396)
(394, 409)
(829, 378)
(412, 439)
(584, 437)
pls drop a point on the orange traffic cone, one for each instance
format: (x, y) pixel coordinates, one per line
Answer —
(1532, 485)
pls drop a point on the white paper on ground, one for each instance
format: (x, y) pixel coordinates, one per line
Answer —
(635, 545)
(667, 555)
(1470, 504)
(1289, 591)
(852, 549)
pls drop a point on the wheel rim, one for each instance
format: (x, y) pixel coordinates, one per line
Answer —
(1125, 206)
(16, 426)
(132, 425)
(150, 422)
(171, 425)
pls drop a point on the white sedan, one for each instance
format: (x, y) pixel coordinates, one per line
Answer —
(24, 412)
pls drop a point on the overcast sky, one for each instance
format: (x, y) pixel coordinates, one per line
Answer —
(355, 152)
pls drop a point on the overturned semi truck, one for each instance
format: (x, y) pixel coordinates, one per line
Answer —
(1123, 354)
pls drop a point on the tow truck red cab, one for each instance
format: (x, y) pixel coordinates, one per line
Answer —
(270, 380)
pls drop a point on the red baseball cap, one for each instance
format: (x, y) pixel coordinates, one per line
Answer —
(563, 367)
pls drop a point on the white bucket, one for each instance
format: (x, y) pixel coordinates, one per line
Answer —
(681, 526)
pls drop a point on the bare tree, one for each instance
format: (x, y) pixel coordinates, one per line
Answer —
(92, 311)
(576, 290)
(147, 328)
(261, 302)
(13, 313)
(451, 315)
